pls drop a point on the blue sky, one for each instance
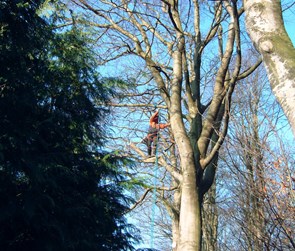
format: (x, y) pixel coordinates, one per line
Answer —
(289, 20)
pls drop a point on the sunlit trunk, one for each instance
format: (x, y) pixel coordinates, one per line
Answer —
(190, 212)
(265, 26)
(175, 212)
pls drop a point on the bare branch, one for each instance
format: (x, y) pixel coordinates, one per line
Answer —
(161, 162)
(251, 69)
(137, 105)
(140, 200)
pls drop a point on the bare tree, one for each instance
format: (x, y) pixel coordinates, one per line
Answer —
(178, 44)
(265, 25)
(257, 209)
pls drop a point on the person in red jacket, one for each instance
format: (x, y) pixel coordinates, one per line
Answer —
(151, 139)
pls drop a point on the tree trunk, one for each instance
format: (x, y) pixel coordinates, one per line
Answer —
(210, 220)
(190, 213)
(190, 227)
(175, 222)
(265, 26)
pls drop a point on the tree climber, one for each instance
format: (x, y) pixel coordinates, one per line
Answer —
(151, 139)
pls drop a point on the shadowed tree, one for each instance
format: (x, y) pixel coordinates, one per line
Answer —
(58, 189)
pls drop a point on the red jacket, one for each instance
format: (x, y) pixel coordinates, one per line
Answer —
(154, 121)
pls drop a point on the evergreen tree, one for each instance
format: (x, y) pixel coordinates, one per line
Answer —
(58, 191)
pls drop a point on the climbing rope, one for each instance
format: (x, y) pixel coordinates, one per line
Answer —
(154, 195)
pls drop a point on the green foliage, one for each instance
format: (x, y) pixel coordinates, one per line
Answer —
(135, 183)
(53, 189)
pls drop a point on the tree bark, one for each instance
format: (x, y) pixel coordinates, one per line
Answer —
(265, 26)
(210, 219)
(190, 227)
